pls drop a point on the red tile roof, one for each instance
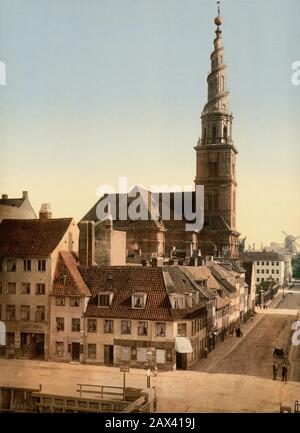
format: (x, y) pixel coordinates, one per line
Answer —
(68, 280)
(123, 281)
(31, 238)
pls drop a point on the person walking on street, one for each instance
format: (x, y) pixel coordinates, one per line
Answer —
(284, 371)
(275, 370)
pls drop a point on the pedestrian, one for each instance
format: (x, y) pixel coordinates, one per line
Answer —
(275, 370)
(205, 352)
(284, 371)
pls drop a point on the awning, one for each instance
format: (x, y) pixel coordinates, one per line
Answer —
(183, 345)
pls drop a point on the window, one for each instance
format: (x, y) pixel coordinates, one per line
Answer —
(92, 350)
(104, 299)
(26, 265)
(213, 169)
(213, 200)
(258, 280)
(139, 300)
(258, 263)
(92, 325)
(10, 312)
(40, 289)
(277, 271)
(160, 329)
(60, 301)
(60, 323)
(25, 288)
(74, 302)
(214, 133)
(59, 348)
(40, 313)
(273, 272)
(141, 354)
(267, 263)
(25, 313)
(258, 271)
(41, 265)
(11, 265)
(262, 263)
(108, 326)
(179, 302)
(267, 271)
(75, 325)
(126, 353)
(273, 263)
(142, 328)
(225, 131)
(262, 271)
(181, 329)
(126, 327)
(11, 288)
(277, 263)
(160, 356)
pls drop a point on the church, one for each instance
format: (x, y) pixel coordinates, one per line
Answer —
(216, 161)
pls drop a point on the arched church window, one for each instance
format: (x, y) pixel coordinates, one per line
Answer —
(213, 200)
(216, 85)
(223, 83)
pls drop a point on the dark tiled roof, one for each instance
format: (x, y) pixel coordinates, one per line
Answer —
(31, 238)
(261, 255)
(180, 283)
(14, 202)
(68, 280)
(123, 281)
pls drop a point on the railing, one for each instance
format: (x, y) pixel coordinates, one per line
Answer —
(101, 390)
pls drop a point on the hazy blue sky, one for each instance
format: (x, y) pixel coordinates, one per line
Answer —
(102, 88)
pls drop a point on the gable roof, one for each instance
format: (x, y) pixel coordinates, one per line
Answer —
(31, 238)
(123, 281)
(14, 202)
(73, 283)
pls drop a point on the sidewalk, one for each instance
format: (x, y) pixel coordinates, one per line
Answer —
(231, 342)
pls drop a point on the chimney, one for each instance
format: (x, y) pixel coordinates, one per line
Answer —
(45, 212)
(86, 243)
(25, 194)
(4, 196)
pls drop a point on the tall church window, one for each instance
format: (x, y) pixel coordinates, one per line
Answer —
(213, 169)
(213, 200)
(225, 132)
(223, 83)
(214, 133)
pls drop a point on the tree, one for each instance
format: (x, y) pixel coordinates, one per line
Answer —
(296, 266)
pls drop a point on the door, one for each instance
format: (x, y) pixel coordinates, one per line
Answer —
(108, 354)
(75, 351)
(181, 361)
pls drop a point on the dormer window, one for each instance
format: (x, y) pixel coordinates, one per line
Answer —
(138, 300)
(177, 302)
(105, 299)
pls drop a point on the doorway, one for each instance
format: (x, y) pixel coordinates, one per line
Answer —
(76, 352)
(32, 345)
(108, 354)
(181, 361)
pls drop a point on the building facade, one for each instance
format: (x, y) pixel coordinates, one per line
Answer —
(28, 255)
(16, 208)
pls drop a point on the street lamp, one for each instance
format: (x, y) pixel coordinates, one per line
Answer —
(151, 367)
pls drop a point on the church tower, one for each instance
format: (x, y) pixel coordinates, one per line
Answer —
(216, 161)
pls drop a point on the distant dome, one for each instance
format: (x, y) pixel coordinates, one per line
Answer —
(218, 20)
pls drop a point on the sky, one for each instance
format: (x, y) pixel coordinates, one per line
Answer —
(97, 89)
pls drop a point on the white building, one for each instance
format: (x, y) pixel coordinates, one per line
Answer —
(266, 266)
